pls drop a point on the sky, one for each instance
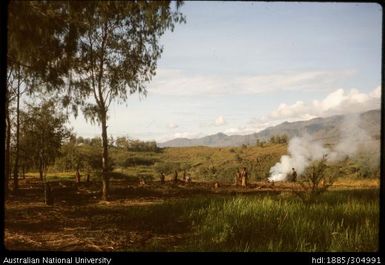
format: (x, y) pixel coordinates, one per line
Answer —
(240, 67)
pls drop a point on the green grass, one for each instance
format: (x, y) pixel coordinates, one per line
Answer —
(54, 175)
(338, 221)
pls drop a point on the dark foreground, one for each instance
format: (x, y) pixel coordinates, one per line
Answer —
(194, 217)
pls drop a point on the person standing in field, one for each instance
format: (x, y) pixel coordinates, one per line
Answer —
(176, 176)
(188, 178)
(244, 176)
(237, 180)
(184, 175)
(293, 175)
(77, 176)
(162, 177)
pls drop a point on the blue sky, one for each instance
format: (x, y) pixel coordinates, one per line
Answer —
(239, 67)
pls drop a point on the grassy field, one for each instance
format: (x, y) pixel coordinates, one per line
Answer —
(338, 221)
(197, 217)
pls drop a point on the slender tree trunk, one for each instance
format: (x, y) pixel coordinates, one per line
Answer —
(7, 149)
(16, 168)
(41, 169)
(77, 174)
(105, 159)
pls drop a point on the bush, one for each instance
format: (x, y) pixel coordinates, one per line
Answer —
(139, 161)
(316, 179)
(166, 167)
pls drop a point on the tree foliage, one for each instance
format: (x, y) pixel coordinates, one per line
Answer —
(43, 132)
(117, 51)
(167, 167)
(37, 60)
(92, 53)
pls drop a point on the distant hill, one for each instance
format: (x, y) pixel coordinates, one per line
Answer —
(319, 128)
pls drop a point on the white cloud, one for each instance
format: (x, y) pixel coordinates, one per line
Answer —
(219, 121)
(189, 135)
(254, 125)
(376, 93)
(177, 82)
(285, 110)
(337, 102)
(172, 125)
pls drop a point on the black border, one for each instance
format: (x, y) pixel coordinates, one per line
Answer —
(133, 257)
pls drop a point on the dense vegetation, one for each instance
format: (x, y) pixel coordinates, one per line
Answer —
(271, 223)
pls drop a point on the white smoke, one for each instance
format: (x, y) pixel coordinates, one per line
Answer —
(352, 139)
(303, 150)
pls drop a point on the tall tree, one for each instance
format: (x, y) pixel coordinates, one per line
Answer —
(117, 54)
(38, 51)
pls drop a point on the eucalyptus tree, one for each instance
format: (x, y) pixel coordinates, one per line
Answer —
(117, 54)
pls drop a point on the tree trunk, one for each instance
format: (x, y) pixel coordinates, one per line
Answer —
(16, 168)
(48, 196)
(77, 175)
(7, 149)
(41, 169)
(106, 180)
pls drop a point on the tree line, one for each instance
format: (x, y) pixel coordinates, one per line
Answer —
(275, 139)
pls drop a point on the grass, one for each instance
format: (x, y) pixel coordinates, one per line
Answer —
(197, 218)
(338, 221)
(356, 182)
(54, 175)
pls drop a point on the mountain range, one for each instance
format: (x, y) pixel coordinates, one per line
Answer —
(326, 129)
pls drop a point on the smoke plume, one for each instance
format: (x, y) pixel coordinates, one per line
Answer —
(303, 150)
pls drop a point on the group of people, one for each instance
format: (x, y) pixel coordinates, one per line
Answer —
(241, 177)
(186, 177)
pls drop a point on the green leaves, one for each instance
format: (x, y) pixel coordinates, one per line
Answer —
(117, 48)
(43, 132)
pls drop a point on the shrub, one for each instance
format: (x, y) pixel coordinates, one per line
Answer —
(316, 179)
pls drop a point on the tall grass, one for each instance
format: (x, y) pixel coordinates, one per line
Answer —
(338, 221)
